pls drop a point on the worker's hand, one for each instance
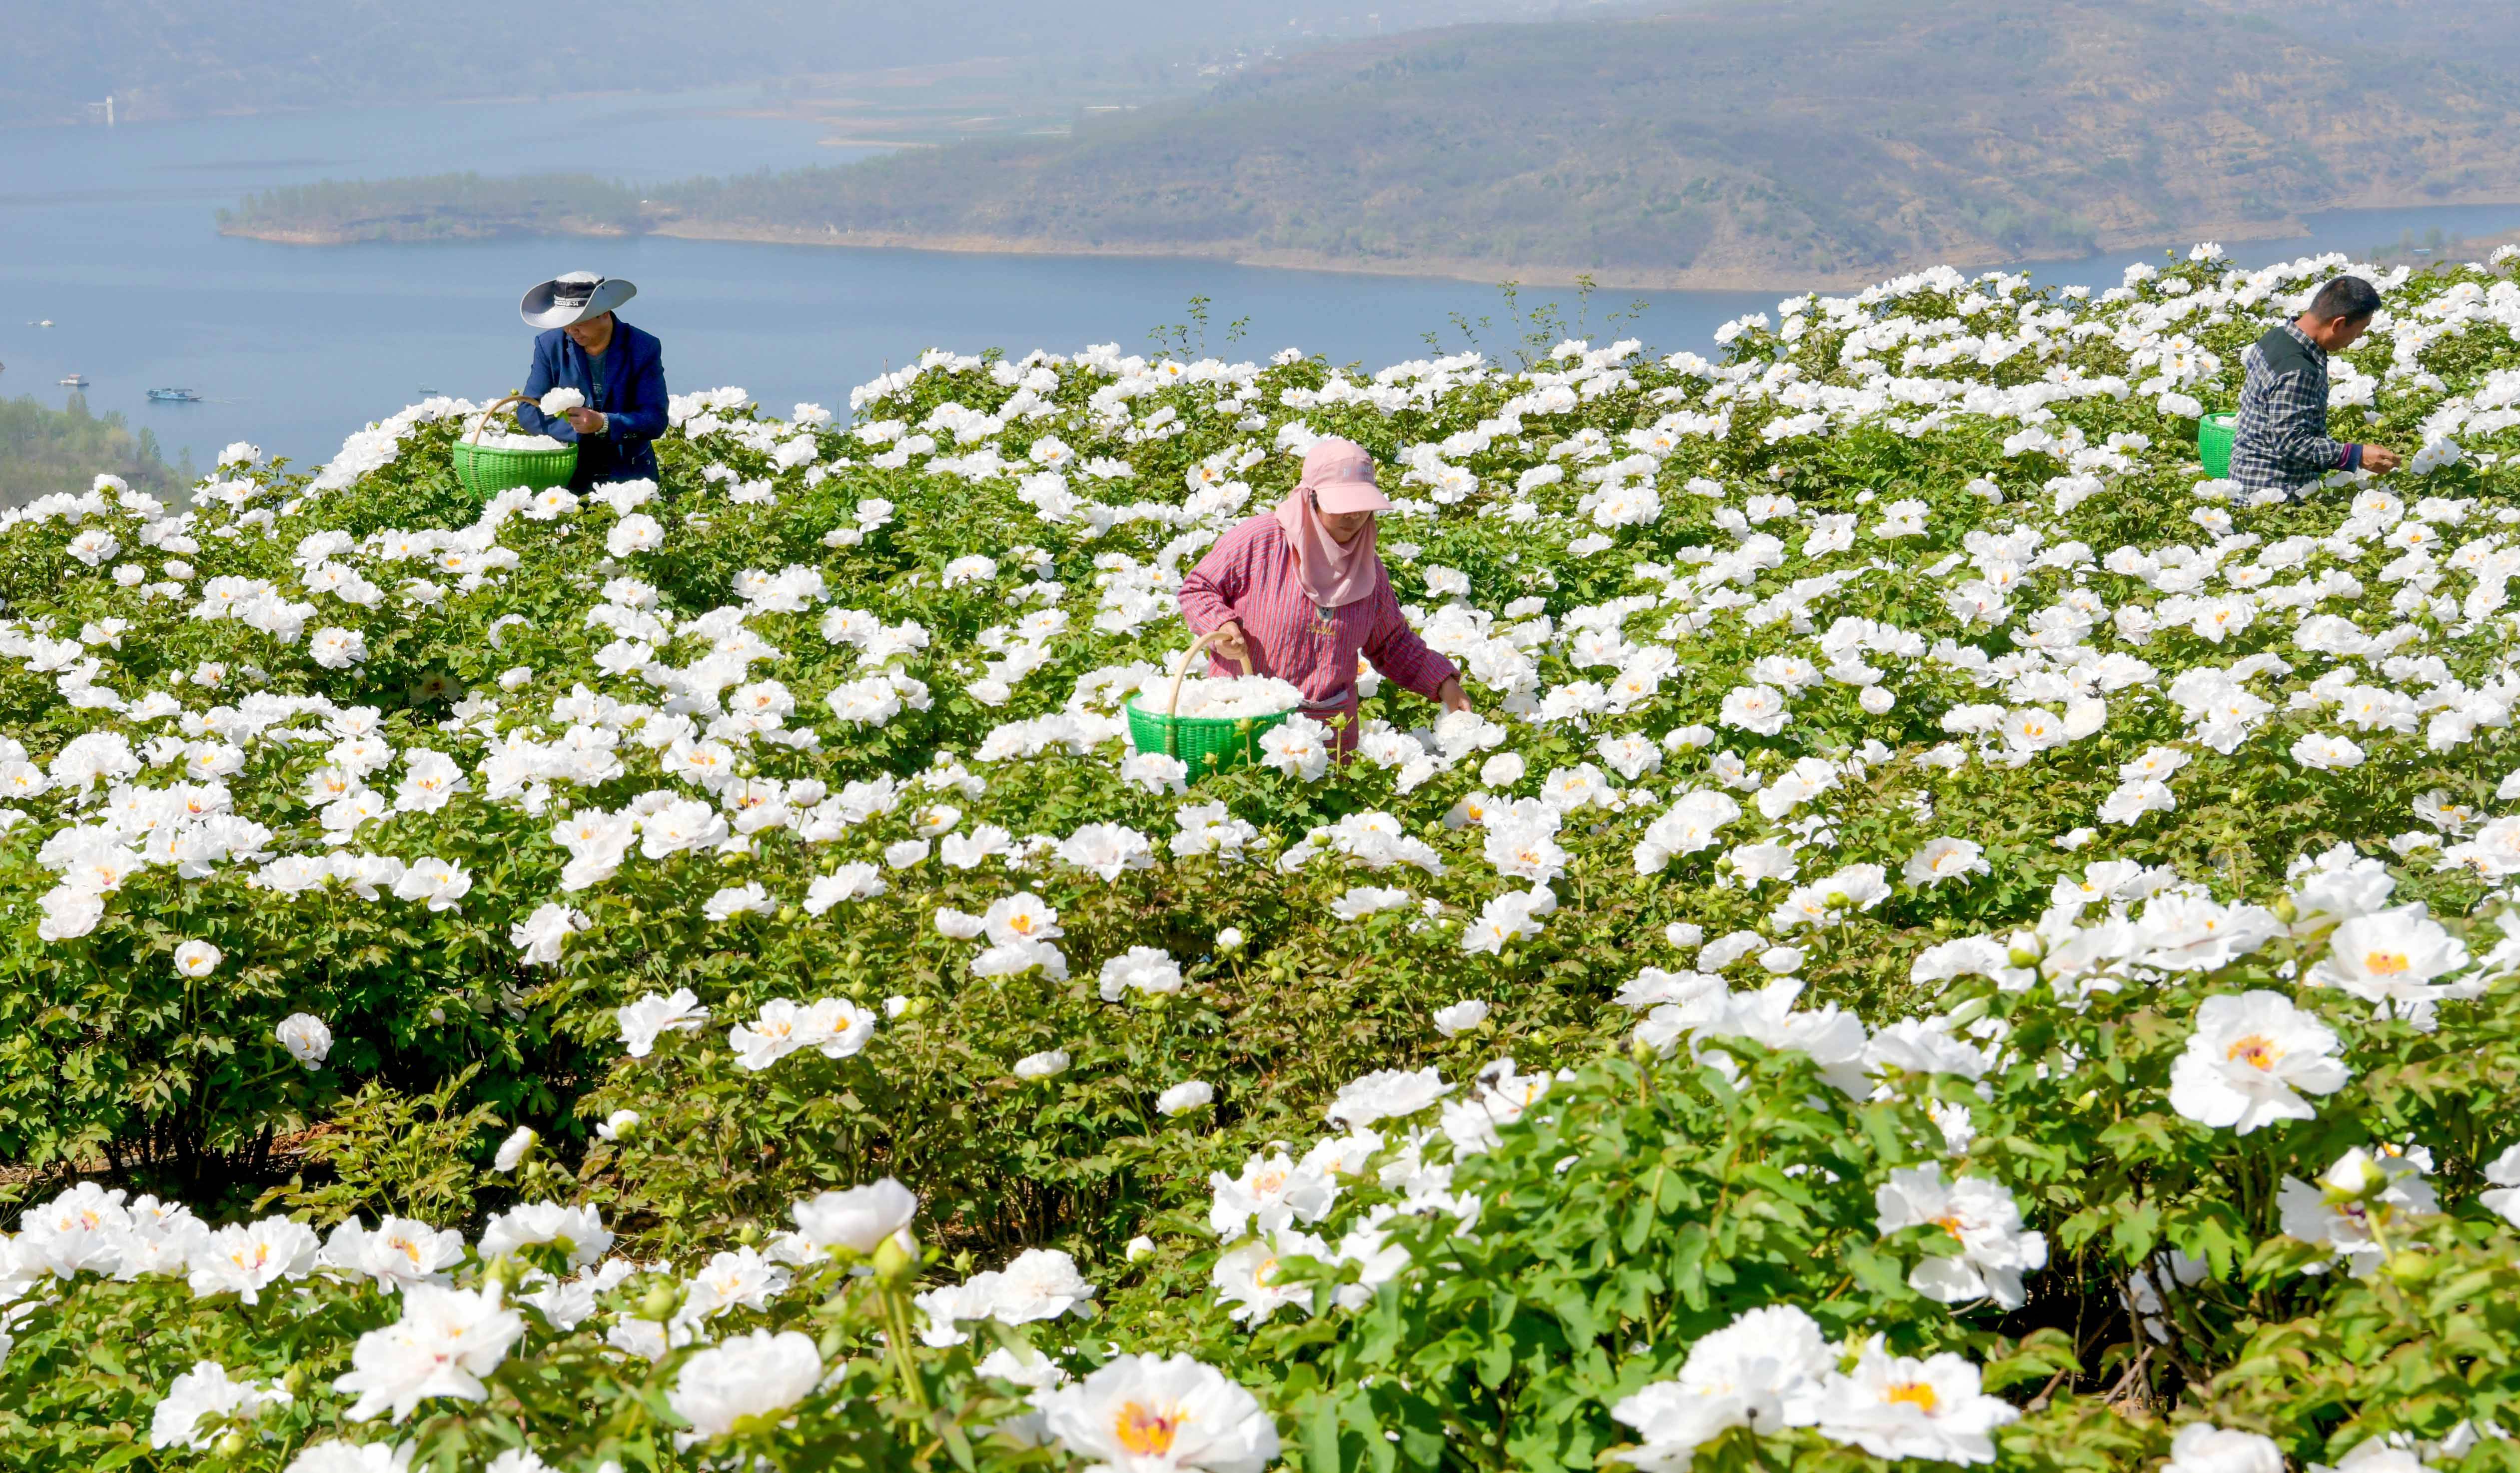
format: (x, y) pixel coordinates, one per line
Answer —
(2380, 458)
(585, 421)
(1450, 694)
(1227, 640)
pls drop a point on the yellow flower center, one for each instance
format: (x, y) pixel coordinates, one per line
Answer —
(2385, 963)
(1146, 1430)
(1915, 1394)
(1950, 1224)
(2257, 1051)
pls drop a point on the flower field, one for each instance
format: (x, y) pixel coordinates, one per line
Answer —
(1948, 938)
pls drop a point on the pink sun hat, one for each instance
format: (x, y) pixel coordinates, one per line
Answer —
(1340, 475)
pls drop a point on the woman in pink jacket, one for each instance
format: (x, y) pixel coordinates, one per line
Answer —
(1302, 590)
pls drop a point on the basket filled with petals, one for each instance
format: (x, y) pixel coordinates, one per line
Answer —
(488, 464)
(1210, 725)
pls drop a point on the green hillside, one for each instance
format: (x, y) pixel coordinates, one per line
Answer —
(438, 206)
(43, 451)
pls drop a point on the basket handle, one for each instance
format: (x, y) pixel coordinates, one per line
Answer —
(1180, 668)
(483, 421)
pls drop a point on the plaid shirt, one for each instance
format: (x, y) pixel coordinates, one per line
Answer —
(2280, 442)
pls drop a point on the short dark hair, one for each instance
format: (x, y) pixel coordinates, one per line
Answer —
(2348, 298)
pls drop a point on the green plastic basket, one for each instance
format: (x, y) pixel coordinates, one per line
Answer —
(2214, 443)
(1205, 743)
(487, 470)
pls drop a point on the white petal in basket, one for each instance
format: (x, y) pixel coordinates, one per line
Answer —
(1224, 698)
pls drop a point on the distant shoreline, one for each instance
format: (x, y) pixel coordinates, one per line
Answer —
(1722, 279)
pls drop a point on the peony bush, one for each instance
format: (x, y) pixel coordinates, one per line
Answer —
(1949, 937)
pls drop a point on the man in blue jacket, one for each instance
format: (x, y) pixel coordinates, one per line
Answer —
(619, 369)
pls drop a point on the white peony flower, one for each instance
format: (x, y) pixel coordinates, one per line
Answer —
(1944, 860)
(2324, 753)
(1274, 1191)
(514, 1150)
(2342, 1208)
(578, 1231)
(351, 1457)
(243, 1259)
(1185, 1096)
(655, 1014)
(2203, 1448)
(207, 1391)
(1139, 1415)
(1899, 1407)
(1299, 747)
(395, 1253)
(338, 649)
(1385, 1095)
(1041, 1283)
(445, 1342)
(2390, 956)
(1982, 1220)
(2250, 1060)
(2504, 1172)
(1142, 969)
(1752, 1373)
(197, 958)
(760, 1376)
(858, 1219)
(1248, 1276)
(636, 532)
(307, 1038)
(439, 882)
(539, 936)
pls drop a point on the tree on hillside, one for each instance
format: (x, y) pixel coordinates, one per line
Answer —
(43, 451)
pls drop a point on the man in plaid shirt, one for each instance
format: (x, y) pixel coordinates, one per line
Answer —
(2280, 446)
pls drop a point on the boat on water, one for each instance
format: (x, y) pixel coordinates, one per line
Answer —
(174, 395)
(73, 381)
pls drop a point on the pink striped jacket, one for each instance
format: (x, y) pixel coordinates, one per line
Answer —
(1249, 575)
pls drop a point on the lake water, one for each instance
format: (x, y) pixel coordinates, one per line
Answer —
(110, 234)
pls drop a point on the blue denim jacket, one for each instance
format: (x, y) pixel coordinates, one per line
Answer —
(633, 402)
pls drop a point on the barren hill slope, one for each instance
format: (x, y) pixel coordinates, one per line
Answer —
(1740, 142)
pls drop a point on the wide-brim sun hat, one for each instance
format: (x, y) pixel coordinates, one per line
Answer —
(573, 297)
(1340, 475)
